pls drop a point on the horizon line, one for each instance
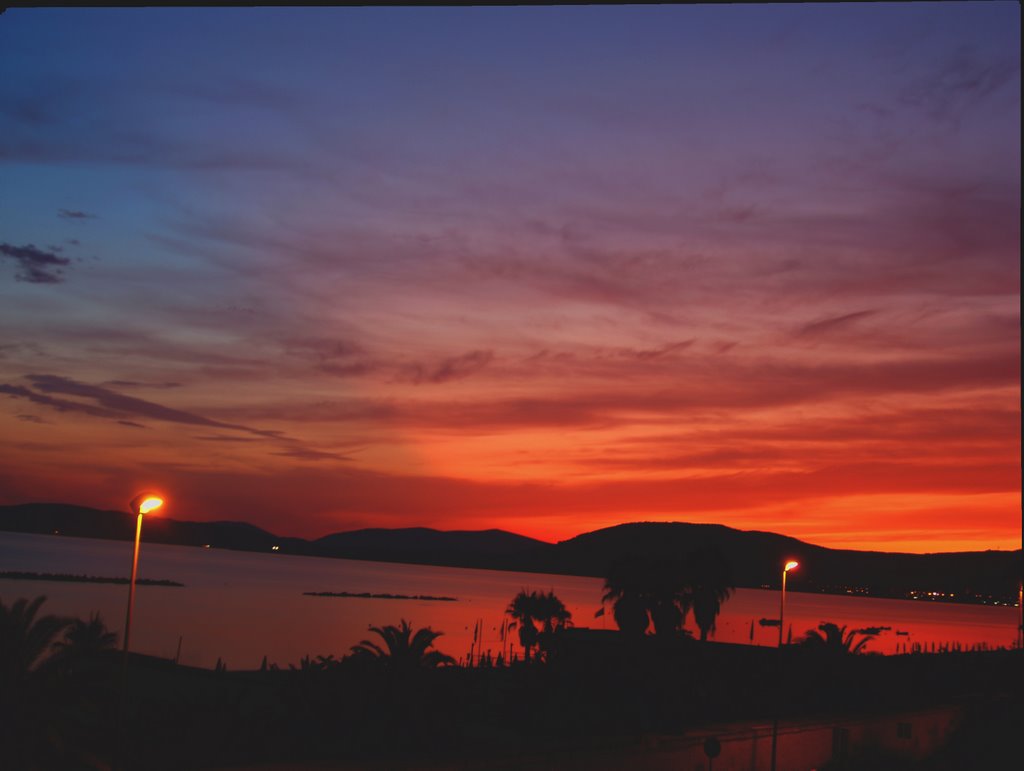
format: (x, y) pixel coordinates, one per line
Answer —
(518, 535)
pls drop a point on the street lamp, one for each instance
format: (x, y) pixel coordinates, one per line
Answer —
(791, 565)
(1020, 616)
(140, 504)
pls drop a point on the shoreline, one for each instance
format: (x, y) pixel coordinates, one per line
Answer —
(914, 596)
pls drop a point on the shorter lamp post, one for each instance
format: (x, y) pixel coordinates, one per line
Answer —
(1020, 616)
(791, 565)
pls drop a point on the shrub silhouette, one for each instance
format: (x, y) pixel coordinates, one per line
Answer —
(833, 639)
(402, 649)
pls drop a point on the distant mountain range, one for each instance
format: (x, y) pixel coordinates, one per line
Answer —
(756, 557)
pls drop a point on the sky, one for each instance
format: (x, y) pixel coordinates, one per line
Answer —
(544, 269)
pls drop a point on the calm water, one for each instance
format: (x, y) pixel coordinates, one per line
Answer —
(242, 606)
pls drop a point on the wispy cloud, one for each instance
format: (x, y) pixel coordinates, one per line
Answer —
(451, 368)
(832, 324)
(685, 387)
(958, 83)
(74, 214)
(306, 453)
(230, 439)
(138, 384)
(333, 356)
(322, 348)
(61, 405)
(105, 403)
(35, 266)
(560, 261)
(646, 354)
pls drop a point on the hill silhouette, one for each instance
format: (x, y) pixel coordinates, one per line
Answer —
(756, 556)
(422, 545)
(86, 522)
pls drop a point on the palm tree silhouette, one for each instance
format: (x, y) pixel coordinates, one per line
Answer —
(711, 584)
(624, 588)
(32, 698)
(833, 639)
(645, 591)
(26, 642)
(86, 638)
(671, 597)
(552, 613)
(530, 608)
(80, 654)
(525, 613)
(402, 649)
(553, 617)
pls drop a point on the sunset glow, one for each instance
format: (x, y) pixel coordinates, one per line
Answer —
(544, 269)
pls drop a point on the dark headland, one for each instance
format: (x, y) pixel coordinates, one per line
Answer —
(989, 576)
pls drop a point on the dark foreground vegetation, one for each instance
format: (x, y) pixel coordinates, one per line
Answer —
(395, 701)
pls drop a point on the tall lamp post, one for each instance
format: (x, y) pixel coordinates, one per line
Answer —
(140, 504)
(791, 565)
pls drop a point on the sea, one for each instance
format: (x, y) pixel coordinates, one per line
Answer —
(241, 608)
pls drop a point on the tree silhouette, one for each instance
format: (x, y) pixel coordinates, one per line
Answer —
(26, 642)
(402, 649)
(86, 638)
(672, 596)
(833, 639)
(525, 613)
(552, 613)
(532, 608)
(82, 660)
(624, 588)
(33, 698)
(711, 584)
(645, 592)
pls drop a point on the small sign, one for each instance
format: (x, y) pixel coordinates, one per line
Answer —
(712, 747)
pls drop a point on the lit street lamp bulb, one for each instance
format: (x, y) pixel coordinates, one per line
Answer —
(791, 565)
(145, 503)
(150, 504)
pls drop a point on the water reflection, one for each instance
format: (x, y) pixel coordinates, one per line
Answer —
(242, 606)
